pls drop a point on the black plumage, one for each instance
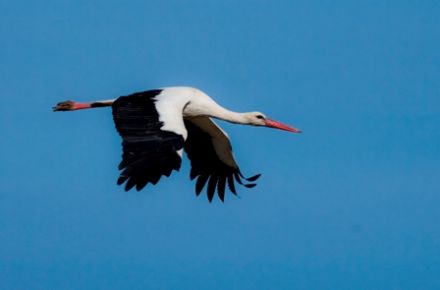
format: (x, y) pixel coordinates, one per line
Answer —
(148, 152)
(207, 167)
(156, 126)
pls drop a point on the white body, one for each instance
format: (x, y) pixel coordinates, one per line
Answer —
(176, 103)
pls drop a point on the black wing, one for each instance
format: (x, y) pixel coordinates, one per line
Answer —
(148, 152)
(210, 153)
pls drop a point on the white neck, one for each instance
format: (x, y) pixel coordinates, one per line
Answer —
(214, 110)
(230, 116)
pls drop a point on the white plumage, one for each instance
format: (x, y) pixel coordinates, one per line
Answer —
(157, 125)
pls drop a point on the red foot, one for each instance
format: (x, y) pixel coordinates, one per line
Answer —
(70, 106)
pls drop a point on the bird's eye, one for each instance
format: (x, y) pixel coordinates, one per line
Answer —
(260, 117)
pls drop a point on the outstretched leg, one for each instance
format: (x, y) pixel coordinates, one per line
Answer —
(73, 106)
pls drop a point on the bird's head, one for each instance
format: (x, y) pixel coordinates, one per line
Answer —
(259, 119)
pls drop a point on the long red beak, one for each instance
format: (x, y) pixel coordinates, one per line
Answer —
(278, 125)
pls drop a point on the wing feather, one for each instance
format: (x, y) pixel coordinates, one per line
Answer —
(210, 153)
(148, 151)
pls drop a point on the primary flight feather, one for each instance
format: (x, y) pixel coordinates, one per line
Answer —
(156, 126)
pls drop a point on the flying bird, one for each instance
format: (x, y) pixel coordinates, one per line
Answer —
(156, 126)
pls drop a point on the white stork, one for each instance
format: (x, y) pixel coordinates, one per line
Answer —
(157, 125)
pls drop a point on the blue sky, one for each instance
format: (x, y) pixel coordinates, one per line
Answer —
(352, 203)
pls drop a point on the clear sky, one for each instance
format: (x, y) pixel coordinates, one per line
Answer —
(352, 203)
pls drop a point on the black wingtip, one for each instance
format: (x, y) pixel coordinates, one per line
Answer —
(237, 177)
(130, 184)
(221, 188)
(216, 183)
(253, 178)
(192, 174)
(200, 183)
(121, 165)
(121, 179)
(211, 187)
(231, 184)
(141, 185)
